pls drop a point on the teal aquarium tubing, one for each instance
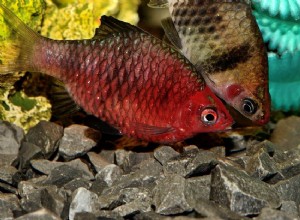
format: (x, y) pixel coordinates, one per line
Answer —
(279, 22)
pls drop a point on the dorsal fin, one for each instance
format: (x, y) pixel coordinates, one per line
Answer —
(171, 32)
(110, 26)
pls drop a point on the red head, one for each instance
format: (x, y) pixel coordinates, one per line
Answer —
(204, 112)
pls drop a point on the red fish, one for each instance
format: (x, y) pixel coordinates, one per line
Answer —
(222, 39)
(126, 77)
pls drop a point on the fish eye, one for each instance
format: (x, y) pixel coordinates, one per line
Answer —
(249, 106)
(209, 116)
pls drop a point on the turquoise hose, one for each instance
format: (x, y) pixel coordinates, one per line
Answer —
(279, 22)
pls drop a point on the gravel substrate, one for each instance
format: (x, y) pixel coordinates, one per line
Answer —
(57, 173)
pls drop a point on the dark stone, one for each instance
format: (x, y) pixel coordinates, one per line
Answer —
(77, 141)
(286, 134)
(85, 216)
(97, 161)
(169, 196)
(211, 210)
(5, 187)
(288, 163)
(126, 201)
(110, 174)
(198, 188)
(135, 200)
(63, 174)
(148, 216)
(241, 193)
(165, 153)
(7, 173)
(29, 151)
(289, 189)
(145, 175)
(109, 155)
(191, 163)
(270, 214)
(265, 146)
(46, 136)
(10, 138)
(98, 186)
(260, 165)
(290, 208)
(41, 214)
(9, 202)
(46, 166)
(128, 159)
(77, 183)
(83, 200)
(55, 201)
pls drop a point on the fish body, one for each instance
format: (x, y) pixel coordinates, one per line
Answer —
(127, 78)
(222, 39)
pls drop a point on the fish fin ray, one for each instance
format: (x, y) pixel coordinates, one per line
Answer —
(110, 26)
(61, 101)
(16, 52)
(158, 4)
(171, 32)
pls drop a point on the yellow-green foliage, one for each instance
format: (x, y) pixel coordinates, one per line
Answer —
(79, 18)
(56, 19)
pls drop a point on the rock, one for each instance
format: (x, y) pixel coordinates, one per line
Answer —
(126, 201)
(29, 151)
(169, 196)
(270, 214)
(265, 146)
(98, 186)
(211, 210)
(6, 174)
(165, 153)
(145, 175)
(219, 151)
(261, 165)
(128, 159)
(63, 174)
(55, 201)
(289, 190)
(136, 200)
(290, 208)
(99, 215)
(6, 214)
(97, 161)
(46, 166)
(77, 183)
(10, 138)
(192, 163)
(46, 136)
(198, 188)
(33, 200)
(241, 193)
(288, 163)
(42, 214)
(148, 216)
(110, 174)
(10, 203)
(109, 155)
(77, 141)
(83, 200)
(286, 134)
(7, 159)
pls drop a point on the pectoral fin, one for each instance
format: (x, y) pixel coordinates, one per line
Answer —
(171, 32)
(153, 130)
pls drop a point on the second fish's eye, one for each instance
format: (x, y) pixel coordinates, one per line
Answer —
(249, 106)
(209, 116)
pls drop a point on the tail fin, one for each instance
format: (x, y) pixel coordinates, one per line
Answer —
(16, 52)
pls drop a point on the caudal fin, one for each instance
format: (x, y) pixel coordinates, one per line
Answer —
(16, 52)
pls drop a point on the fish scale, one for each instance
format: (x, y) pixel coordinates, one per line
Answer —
(126, 77)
